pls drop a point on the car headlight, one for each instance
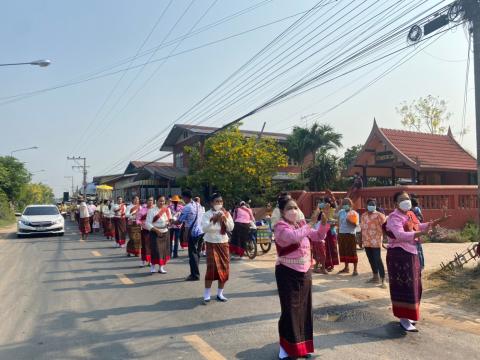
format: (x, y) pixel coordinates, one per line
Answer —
(59, 221)
(25, 222)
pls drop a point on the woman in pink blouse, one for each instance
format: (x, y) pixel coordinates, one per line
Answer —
(294, 278)
(243, 217)
(404, 272)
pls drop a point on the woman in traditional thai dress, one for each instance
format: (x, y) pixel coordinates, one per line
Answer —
(134, 238)
(145, 233)
(294, 278)
(158, 220)
(403, 264)
(215, 224)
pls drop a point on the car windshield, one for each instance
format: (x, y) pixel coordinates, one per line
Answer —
(41, 210)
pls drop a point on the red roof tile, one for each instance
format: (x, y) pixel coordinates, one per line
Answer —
(431, 151)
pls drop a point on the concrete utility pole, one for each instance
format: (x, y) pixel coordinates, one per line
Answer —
(84, 170)
(472, 14)
(458, 11)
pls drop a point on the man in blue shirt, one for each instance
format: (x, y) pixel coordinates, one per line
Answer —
(191, 217)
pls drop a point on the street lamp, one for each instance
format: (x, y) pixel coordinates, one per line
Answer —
(29, 148)
(41, 63)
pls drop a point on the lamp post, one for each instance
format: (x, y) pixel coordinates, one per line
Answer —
(41, 63)
(23, 149)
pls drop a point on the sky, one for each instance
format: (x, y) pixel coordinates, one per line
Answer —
(125, 114)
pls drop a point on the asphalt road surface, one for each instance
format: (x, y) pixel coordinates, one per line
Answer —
(63, 298)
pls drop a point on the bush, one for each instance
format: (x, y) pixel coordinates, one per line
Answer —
(6, 213)
(442, 235)
(471, 232)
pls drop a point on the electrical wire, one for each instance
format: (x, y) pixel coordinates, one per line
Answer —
(207, 27)
(117, 83)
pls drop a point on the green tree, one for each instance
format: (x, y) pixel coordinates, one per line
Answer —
(324, 173)
(349, 156)
(297, 148)
(238, 166)
(322, 138)
(13, 176)
(34, 193)
(426, 114)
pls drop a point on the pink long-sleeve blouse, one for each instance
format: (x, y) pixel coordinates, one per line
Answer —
(142, 216)
(287, 235)
(404, 239)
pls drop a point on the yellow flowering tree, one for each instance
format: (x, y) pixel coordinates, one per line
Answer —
(239, 167)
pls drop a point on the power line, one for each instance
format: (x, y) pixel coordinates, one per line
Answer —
(114, 88)
(265, 48)
(366, 50)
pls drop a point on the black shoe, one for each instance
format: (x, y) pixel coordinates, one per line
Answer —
(191, 278)
(221, 300)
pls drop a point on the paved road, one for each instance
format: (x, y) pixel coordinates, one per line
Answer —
(67, 299)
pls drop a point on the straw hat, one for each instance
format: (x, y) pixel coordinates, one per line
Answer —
(175, 198)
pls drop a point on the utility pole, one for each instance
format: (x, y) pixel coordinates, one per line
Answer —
(458, 11)
(472, 14)
(83, 168)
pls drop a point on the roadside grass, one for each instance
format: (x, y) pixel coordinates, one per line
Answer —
(6, 222)
(460, 287)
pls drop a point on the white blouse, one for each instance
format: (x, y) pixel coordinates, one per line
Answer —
(162, 222)
(212, 231)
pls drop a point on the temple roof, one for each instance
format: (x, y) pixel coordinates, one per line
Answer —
(420, 151)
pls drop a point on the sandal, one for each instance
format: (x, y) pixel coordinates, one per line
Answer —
(344, 271)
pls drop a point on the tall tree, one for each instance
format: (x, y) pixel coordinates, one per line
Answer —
(324, 172)
(297, 148)
(13, 176)
(237, 166)
(322, 138)
(426, 114)
(34, 193)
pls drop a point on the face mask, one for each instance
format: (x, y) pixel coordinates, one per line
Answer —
(346, 207)
(371, 208)
(291, 215)
(405, 205)
(321, 205)
(218, 207)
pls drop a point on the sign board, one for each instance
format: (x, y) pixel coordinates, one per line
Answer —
(383, 157)
(66, 196)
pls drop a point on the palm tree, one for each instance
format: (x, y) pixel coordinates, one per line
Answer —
(322, 137)
(297, 146)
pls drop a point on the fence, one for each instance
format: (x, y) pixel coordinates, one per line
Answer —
(460, 201)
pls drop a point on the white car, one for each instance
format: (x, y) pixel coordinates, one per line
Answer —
(40, 219)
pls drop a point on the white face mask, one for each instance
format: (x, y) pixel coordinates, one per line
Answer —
(405, 205)
(292, 215)
(218, 207)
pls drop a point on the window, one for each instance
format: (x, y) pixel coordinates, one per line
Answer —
(292, 162)
(41, 210)
(185, 134)
(179, 160)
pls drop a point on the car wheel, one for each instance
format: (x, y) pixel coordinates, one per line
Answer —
(61, 234)
(19, 236)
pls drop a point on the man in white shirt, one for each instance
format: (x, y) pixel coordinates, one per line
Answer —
(84, 222)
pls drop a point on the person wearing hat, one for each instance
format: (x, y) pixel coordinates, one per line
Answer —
(175, 229)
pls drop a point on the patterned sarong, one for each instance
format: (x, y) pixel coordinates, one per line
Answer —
(218, 262)
(404, 275)
(347, 247)
(84, 225)
(296, 321)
